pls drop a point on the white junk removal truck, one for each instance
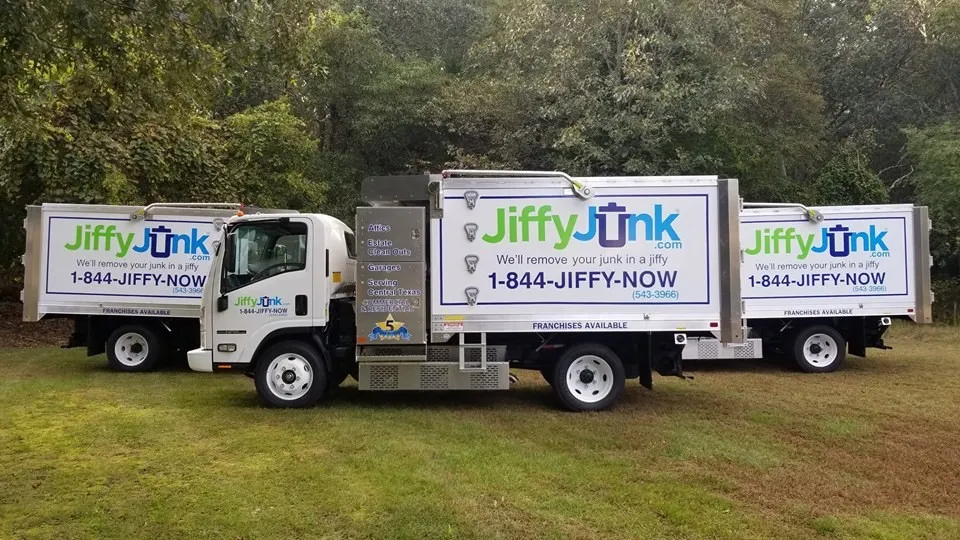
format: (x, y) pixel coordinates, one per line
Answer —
(131, 277)
(454, 279)
(820, 282)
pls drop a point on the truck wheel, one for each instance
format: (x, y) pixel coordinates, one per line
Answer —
(819, 349)
(290, 374)
(134, 348)
(588, 377)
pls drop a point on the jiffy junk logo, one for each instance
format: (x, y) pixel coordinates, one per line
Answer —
(837, 241)
(261, 305)
(160, 242)
(259, 301)
(389, 330)
(610, 225)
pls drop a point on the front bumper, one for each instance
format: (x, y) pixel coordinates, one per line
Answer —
(200, 359)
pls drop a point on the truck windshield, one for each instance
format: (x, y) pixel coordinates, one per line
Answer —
(259, 250)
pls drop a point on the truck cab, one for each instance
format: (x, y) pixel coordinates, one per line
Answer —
(278, 278)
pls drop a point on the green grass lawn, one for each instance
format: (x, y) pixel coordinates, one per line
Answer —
(750, 450)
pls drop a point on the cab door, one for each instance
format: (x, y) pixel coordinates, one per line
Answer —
(265, 285)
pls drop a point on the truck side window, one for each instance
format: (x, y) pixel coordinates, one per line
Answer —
(351, 241)
(261, 250)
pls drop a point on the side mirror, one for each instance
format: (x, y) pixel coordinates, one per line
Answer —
(229, 258)
(223, 303)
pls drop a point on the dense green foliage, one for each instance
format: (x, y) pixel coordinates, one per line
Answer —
(936, 153)
(291, 102)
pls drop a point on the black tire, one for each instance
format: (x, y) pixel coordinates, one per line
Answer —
(580, 399)
(825, 352)
(548, 372)
(302, 360)
(134, 348)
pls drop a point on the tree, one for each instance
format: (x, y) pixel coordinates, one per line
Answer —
(936, 153)
(292, 102)
(427, 29)
(847, 179)
(630, 88)
(108, 56)
(885, 65)
(270, 159)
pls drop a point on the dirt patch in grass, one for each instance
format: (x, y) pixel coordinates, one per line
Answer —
(14, 332)
(884, 434)
(902, 466)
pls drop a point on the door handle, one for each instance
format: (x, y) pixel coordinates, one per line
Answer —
(223, 303)
(300, 305)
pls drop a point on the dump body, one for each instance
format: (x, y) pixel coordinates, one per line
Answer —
(97, 260)
(641, 255)
(840, 280)
(858, 261)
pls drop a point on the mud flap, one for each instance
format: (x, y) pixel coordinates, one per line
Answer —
(646, 371)
(857, 338)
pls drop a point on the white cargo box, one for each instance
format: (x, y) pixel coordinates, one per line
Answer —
(100, 260)
(641, 254)
(858, 261)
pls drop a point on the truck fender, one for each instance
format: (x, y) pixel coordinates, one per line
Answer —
(308, 335)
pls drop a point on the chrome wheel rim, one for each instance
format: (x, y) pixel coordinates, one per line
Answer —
(289, 376)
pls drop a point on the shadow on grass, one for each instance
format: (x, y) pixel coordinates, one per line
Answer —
(99, 365)
(523, 397)
(351, 397)
(772, 365)
(853, 365)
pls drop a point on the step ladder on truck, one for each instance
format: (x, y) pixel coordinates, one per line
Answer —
(456, 278)
(821, 282)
